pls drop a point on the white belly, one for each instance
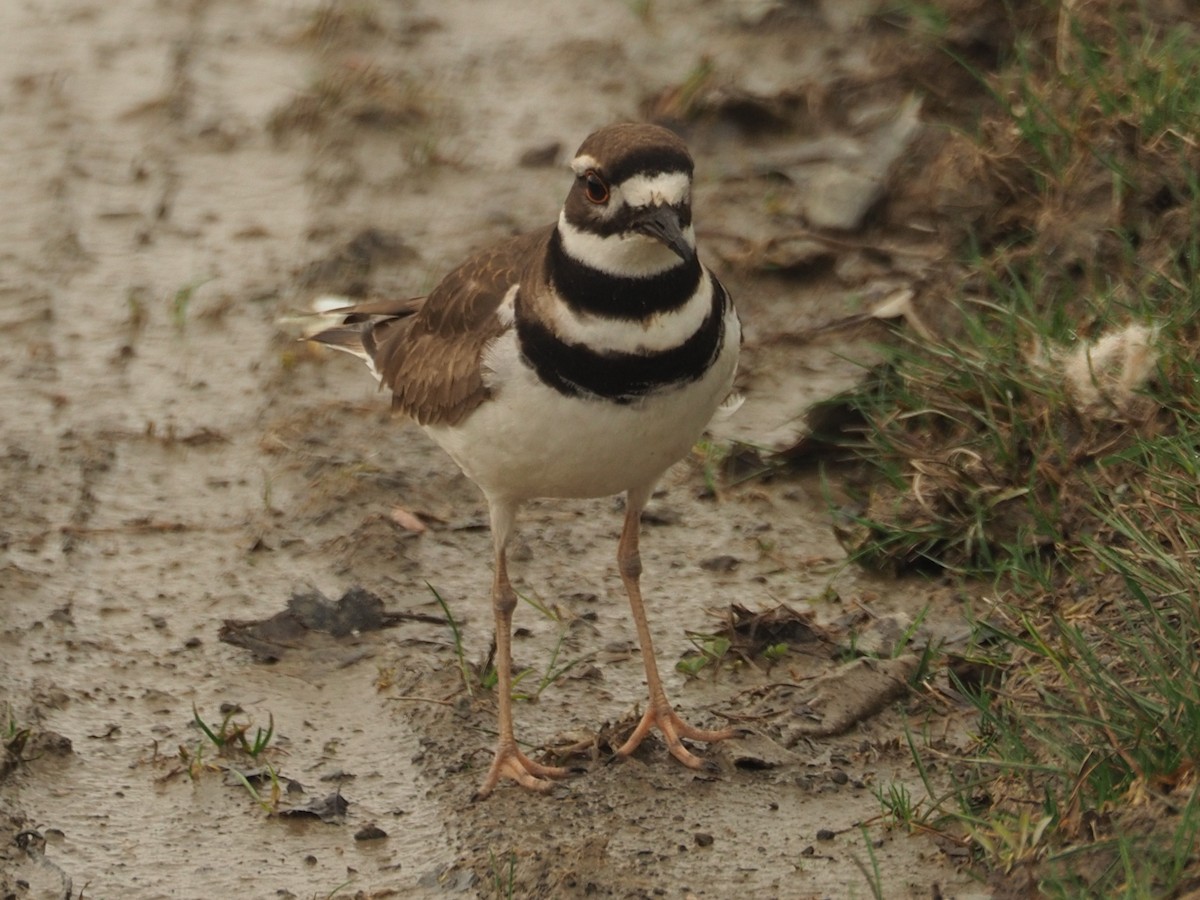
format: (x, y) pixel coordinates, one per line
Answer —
(530, 441)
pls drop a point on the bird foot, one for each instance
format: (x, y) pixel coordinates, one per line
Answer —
(509, 762)
(673, 729)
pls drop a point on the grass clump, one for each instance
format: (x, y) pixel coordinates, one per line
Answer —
(485, 676)
(1044, 437)
(1087, 756)
(14, 736)
(1069, 288)
(243, 757)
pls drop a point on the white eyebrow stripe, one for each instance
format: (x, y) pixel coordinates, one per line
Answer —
(582, 163)
(664, 188)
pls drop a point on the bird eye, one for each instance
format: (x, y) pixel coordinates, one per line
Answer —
(594, 187)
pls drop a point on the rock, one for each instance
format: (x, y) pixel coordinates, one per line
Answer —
(849, 694)
(839, 196)
(370, 832)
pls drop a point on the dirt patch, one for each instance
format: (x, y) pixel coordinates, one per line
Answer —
(181, 178)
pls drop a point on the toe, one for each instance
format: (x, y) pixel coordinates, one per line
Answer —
(511, 763)
(674, 729)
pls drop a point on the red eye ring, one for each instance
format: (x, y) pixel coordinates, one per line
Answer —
(594, 187)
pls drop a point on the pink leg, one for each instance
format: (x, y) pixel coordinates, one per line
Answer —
(509, 761)
(659, 713)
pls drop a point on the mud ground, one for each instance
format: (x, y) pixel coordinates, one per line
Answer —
(181, 177)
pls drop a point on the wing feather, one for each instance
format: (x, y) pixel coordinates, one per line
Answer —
(429, 351)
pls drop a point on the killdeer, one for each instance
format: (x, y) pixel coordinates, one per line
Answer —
(580, 360)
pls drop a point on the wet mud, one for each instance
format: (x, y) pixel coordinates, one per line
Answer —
(181, 179)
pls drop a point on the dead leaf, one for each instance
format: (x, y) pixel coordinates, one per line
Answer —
(358, 610)
(330, 809)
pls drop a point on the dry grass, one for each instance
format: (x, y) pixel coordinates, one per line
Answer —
(352, 93)
(1050, 443)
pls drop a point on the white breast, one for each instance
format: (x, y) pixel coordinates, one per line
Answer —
(528, 440)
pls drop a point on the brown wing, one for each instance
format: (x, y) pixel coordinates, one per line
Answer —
(431, 358)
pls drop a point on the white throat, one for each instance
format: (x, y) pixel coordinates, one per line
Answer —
(622, 255)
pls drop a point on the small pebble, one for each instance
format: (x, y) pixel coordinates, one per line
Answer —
(704, 839)
(825, 834)
(839, 777)
(370, 833)
(722, 563)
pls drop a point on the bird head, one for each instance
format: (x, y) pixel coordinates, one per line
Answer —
(629, 211)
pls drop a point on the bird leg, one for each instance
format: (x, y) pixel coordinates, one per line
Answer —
(659, 712)
(509, 761)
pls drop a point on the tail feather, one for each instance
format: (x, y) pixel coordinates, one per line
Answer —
(355, 328)
(348, 338)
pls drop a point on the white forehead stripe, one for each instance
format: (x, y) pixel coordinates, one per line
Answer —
(582, 163)
(623, 255)
(668, 188)
(663, 189)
